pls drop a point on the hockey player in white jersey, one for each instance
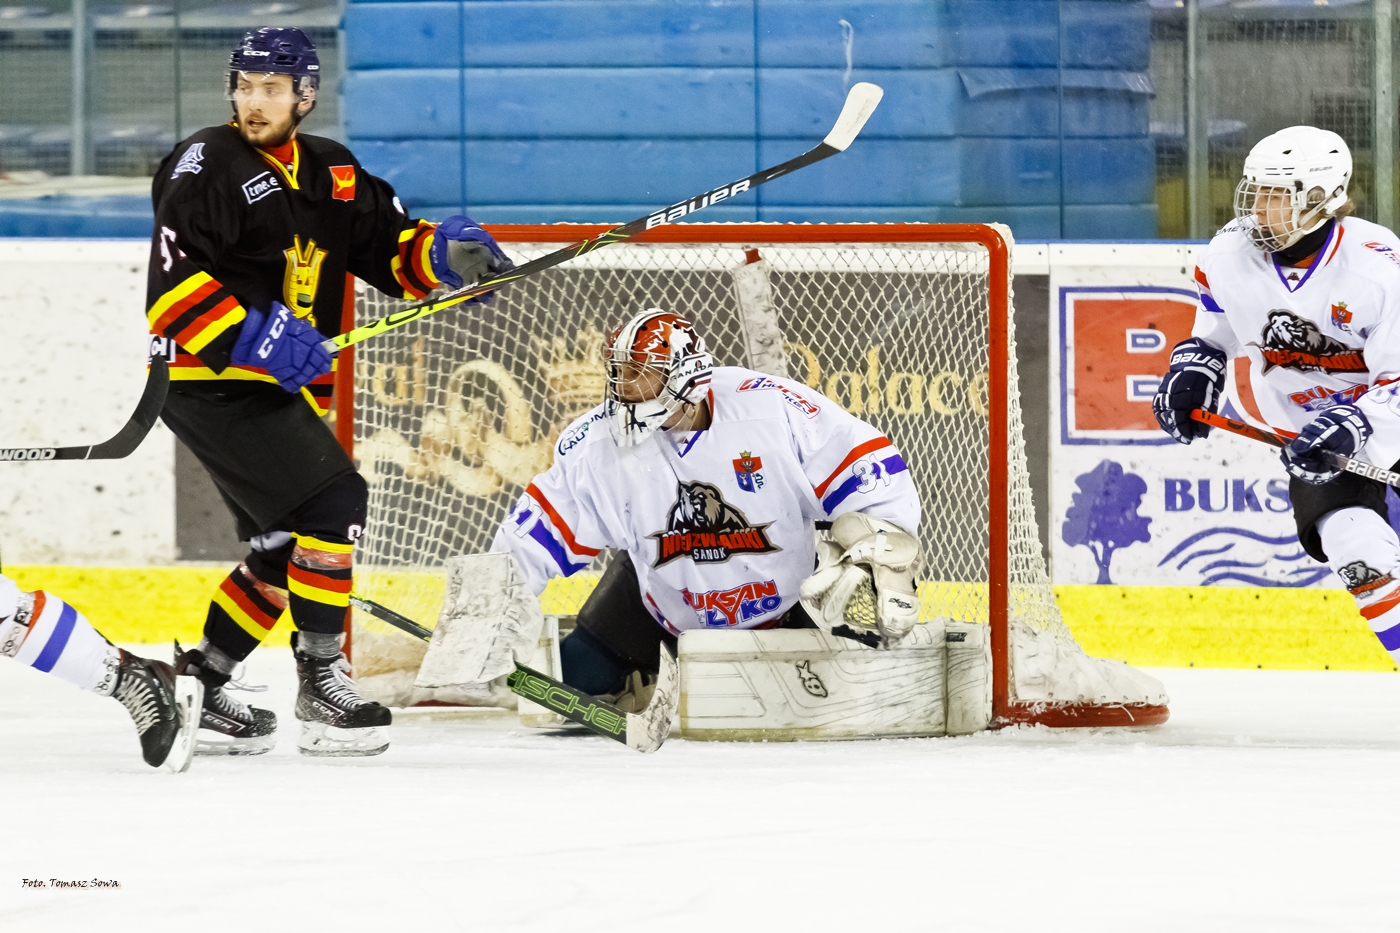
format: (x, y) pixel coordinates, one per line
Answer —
(1311, 296)
(712, 482)
(42, 631)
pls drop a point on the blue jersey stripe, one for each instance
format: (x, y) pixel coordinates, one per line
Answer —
(891, 465)
(555, 549)
(58, 640)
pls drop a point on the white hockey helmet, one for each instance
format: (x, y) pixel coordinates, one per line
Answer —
(1293, 181)
(656, 364)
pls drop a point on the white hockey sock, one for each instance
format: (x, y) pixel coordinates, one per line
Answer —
(1364, 551)
(55, 638)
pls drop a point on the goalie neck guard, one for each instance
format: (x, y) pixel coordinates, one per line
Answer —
(656, 364)
(1294, 180)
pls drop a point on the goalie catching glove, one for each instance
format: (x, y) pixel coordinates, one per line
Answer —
(864, 578)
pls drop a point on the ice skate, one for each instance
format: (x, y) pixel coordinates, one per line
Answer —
(335, 720)
(163, 707)
(227, 726)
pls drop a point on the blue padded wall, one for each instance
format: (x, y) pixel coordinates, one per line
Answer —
(1030, 112)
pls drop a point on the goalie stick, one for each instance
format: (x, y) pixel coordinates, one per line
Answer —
(860, 104)
(644, 731)
(123, 442)
(1346, 464)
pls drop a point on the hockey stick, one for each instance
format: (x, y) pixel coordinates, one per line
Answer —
(1346, 464)
(860, 104)
(123, 442)
(644, 731)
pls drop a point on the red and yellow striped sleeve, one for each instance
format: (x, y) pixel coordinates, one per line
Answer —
(413, 266)
(196, 313)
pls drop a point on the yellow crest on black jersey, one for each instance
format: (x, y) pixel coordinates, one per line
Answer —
(303, 275)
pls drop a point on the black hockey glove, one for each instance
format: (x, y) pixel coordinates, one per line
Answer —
(1196, 379)
(463, 252)
(1340, 430)
(286, 346)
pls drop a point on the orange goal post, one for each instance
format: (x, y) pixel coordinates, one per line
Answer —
(909, 326)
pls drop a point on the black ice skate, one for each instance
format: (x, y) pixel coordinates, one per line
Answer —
(226, 726)
(163, 707)
(335, 720)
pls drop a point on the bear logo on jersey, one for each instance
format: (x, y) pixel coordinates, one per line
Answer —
(1295, 343)
(1360, 578)
(705, 528)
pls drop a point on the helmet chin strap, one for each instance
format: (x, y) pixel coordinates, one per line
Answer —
(1307, 244)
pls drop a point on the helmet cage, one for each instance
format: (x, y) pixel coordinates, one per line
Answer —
(1307, 210)
(666, 347)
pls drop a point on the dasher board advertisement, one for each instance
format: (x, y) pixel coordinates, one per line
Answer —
(1129, 505)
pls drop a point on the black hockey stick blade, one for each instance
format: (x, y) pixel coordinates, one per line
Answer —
(644, 731)
(123, 442)
(861, 102)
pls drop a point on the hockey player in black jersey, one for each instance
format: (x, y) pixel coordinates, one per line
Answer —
(258, 230)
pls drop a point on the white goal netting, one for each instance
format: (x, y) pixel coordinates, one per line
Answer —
(457, 412)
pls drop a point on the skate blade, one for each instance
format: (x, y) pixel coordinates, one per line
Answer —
(212, 742)
(189, 700)
(322, 740)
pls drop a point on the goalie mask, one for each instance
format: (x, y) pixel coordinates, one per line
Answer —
(1293, 182)
(656, 365)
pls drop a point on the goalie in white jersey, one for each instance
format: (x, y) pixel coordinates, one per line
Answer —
(1311, 296)
(712, 482)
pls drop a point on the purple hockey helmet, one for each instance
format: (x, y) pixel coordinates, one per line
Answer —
(283, 50)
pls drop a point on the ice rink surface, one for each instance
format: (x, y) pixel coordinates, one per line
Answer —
(1268, 802)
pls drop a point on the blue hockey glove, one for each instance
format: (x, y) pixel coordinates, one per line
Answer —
(284, 345)
(1339, 430)
(462, 252)
(1196, 379)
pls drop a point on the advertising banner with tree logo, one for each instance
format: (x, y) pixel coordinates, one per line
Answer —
(1129, 505)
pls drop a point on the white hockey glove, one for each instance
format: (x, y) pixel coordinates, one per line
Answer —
(864, 578)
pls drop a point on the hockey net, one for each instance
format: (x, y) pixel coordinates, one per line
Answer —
(908, 326)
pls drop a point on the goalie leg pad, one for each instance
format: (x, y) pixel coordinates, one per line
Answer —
(804, 684)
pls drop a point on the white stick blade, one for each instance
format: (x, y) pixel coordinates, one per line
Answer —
(860, 104)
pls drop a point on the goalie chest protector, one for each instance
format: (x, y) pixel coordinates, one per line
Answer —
(719, 523)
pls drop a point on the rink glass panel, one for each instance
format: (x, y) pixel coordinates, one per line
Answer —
(457, 412)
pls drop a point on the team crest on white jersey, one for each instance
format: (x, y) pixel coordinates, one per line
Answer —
(189, 162)
(1295, 343)
(708, 530)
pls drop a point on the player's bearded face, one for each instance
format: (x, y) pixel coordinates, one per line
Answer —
(267, 104)
(1273, 209)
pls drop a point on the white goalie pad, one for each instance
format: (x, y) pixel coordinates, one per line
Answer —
(803, 684)
(545, 659)
(1048, 670)
(489, 614)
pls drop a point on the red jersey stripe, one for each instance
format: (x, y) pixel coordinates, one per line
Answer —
(533, 492)
(860, 450)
